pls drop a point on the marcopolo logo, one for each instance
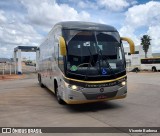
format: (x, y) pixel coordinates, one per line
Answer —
(6, 130)
(101, 90)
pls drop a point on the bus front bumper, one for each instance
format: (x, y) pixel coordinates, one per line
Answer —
(92, 101)
(90, 95)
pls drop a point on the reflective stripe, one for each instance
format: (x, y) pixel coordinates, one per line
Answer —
(93, 82)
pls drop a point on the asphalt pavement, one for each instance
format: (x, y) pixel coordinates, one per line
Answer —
(23, 103)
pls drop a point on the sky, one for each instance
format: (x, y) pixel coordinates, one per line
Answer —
(27, 22)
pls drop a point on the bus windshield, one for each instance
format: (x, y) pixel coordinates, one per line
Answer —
(93, 52)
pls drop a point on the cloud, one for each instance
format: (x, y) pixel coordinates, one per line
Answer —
(140, 16)
(108, 5)
(115, 5)
(128, 31)
(3, 49)
(86, 4)
(154, 32)
(143, 15)
(3, 19)
(17, 34)
(28, 27)
(47, 13)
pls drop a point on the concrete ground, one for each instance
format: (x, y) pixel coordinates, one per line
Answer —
(23, 103)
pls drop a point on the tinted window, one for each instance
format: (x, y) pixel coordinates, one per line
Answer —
(58, 57)
(136, 52)
(91, 52)
(150, 61)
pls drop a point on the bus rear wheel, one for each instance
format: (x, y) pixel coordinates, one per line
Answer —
(40, 81)
(154, 69)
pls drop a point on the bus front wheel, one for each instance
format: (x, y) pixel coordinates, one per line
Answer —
(60, 101)
(40, 81)
(154, 69)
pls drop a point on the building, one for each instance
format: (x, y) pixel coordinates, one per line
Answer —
(133, 60)
(5, 60)
(156, 55)
(5, 66)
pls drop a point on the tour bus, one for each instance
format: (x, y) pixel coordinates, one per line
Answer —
(83, 62)
(150, 64)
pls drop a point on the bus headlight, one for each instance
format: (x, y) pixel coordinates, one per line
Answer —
(123, 83)
(73, 87)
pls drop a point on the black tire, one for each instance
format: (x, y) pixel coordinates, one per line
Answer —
(154, 69)
(58, 97)
(40, 81)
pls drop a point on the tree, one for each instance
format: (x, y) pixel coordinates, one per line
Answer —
(145, 42)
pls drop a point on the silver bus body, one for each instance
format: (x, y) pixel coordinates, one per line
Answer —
(65, 79)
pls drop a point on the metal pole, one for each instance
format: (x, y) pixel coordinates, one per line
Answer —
(15, 62)
(10, 67)
(19, 62)
(37, 58)
(3, 68)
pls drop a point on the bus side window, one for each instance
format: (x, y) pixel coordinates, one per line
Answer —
(57, 55)
(56, 51)
(143, 61)
(150, 61)
(60, 60)
(157, 61)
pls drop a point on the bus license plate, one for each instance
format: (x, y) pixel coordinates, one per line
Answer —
(101, 97)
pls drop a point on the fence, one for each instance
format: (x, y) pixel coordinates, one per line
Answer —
(7, 68)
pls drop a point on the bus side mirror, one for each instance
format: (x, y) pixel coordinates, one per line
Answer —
(62, 46)
(131, 44)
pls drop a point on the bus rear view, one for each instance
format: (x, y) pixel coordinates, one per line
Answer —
(91, 64)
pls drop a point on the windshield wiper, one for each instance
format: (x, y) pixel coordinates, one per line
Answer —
(90, 62)
(106, 60)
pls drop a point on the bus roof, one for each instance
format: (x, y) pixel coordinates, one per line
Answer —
(85, 26)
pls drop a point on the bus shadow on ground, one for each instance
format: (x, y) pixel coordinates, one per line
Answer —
(94, 107)
(87, 107)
